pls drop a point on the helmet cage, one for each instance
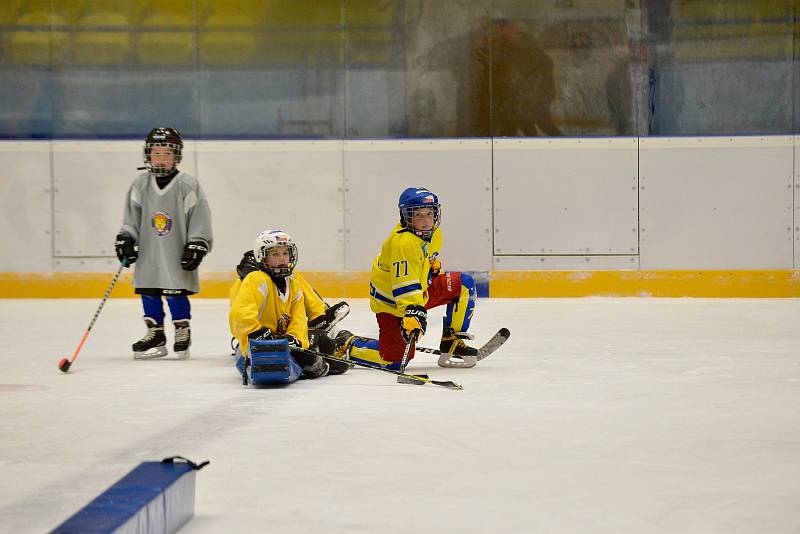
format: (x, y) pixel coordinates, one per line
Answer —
(163, 137)
(273, 239)
(415, 198)
(407, 217)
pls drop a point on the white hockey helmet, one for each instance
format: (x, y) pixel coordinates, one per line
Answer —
(270, 239)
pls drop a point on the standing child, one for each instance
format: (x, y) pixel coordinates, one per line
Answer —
(405, 282)
(166, 231)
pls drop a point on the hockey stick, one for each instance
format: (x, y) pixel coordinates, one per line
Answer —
(65, 364)
(404, 361)
(408, 378)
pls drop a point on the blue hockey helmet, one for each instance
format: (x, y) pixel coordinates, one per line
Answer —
(415, 198)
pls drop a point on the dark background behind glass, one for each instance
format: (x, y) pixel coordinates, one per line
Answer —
(331, 69)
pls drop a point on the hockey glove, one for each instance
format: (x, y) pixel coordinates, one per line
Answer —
(332, 315)
(293, 341)
(414, 322)
(125, 247)
(260, 334)
(436, 264)
(193, 254)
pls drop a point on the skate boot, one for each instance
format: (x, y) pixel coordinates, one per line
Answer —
(183, 339)
(456, 353)
(342, 350)
(153, 344)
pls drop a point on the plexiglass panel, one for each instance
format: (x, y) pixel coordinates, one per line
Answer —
(272, 69)
(721, 67)
(397, 68)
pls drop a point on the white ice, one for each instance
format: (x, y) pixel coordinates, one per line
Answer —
(598, 416)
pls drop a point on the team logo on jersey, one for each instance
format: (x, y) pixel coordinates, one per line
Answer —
(161, 222)
(283, 324)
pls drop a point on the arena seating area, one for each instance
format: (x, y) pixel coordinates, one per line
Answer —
(733, 29)
(191, 32)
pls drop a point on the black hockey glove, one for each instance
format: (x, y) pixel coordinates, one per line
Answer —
(319, 323)
(125, 246)
(313, 366)
(414, 322)
(333, 315)
(247, 265)
(260, 334)
(193, 254)
(293, 341)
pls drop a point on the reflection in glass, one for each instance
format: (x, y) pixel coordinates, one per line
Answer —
(720, 67)
(397, 68)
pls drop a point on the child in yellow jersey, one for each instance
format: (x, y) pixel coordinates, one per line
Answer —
(269, 304)
(406, 281)
(321, 317)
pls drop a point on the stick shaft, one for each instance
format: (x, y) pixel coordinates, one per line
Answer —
(97, 313)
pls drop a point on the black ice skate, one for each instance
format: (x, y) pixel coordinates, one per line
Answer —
(153, 344)
(183, 339)
(342, 351)
(456, 353)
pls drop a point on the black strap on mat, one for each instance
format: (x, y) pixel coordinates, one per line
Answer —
(190, 463)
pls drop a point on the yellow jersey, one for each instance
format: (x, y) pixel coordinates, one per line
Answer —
(401, 272)
(256, 303)
(314, 304)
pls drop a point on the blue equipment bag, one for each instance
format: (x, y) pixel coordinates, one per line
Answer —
(270, 363)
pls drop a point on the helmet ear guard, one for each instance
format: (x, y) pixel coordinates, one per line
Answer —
(163, 137)
(415, 198)
(269, 239)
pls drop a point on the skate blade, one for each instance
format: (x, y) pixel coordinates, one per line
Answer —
(464, 362)
(183, 354)
(151, 354)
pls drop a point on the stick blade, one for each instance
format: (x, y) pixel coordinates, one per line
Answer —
(447, 383)
(403, 379)
(64, 365)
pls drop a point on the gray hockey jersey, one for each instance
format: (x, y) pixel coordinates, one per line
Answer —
(162, 221)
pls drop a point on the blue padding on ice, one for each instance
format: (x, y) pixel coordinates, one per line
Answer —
(270, 363)
(154, 497)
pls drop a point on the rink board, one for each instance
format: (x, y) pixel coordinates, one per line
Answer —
(656, 204)
(511, 284)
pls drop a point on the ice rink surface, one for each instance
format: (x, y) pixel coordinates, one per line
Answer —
(598, 416)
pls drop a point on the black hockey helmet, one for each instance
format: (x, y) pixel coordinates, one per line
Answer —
(163, 137)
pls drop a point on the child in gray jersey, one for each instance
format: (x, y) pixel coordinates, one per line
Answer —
(166, 231)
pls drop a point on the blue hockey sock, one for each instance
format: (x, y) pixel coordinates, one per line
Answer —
(153, 308)
(179, 307)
